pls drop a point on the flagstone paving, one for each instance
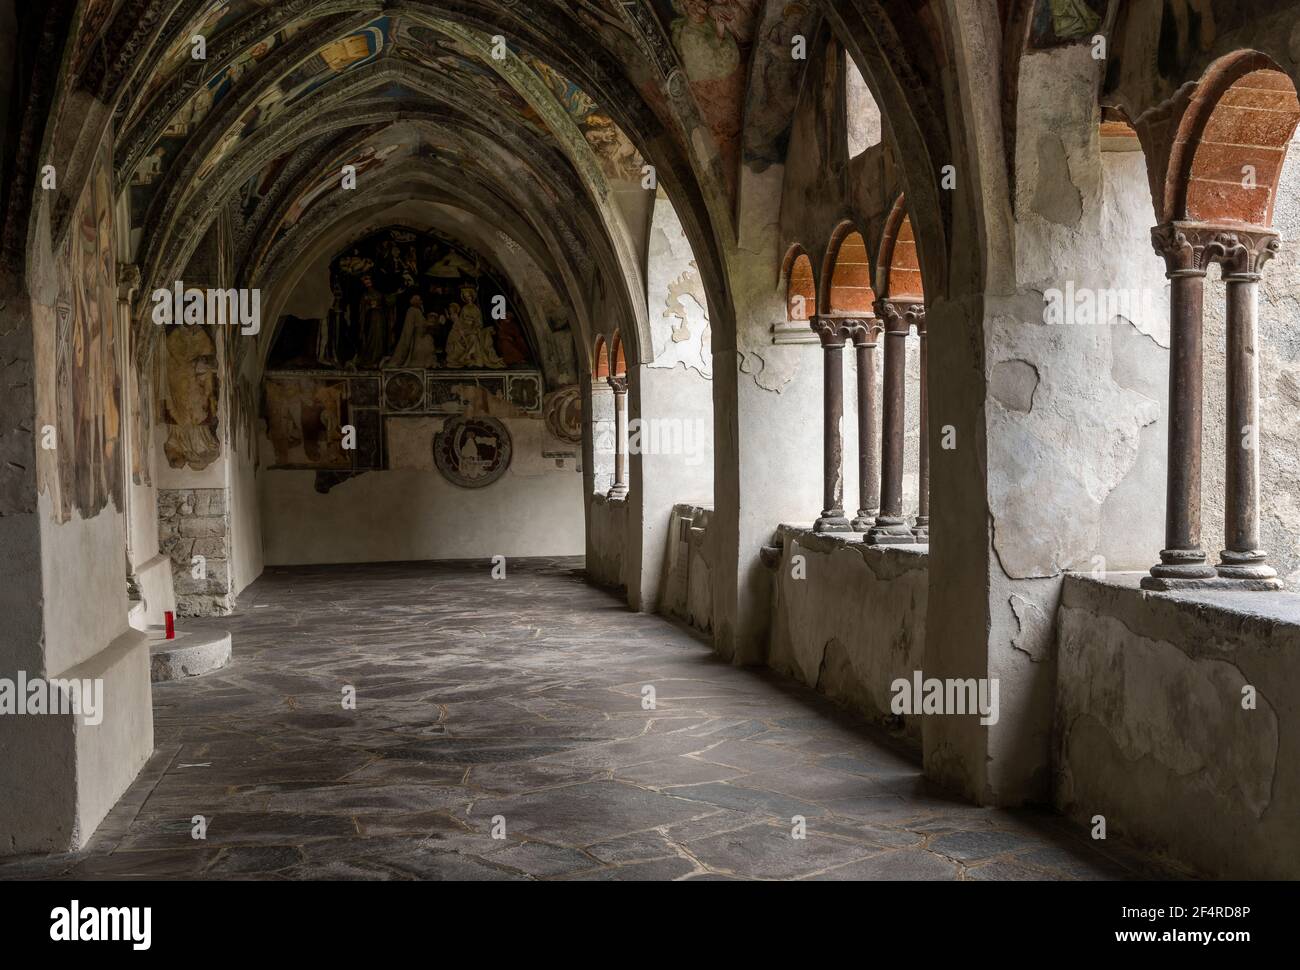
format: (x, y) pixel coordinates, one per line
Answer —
(499, 733)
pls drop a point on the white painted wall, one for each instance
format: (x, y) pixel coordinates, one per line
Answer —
(411, 512)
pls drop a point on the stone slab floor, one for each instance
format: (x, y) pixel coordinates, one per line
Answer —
(516, 704)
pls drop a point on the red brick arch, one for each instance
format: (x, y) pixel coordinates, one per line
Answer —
(600, 359)
(617, 359)
(800, 282)
(1243, 113)
(898, 270)
(849, 274)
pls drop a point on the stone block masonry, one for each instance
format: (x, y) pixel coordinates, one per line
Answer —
(196, 522)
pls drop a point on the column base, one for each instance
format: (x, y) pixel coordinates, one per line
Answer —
(1164, 584)
(832, 520)
(1247, 570)
(921, 528)
(889, 531)
(1180, 569)
(617, 493)
(864, 520)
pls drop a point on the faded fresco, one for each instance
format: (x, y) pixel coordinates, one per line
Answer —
(148, 173)
(304, 419)
(409, 299)
(81, 342)
(462, 67)
(618, 157)
(421, 325)
(1065, 21)
(191, 395)
(714, 39)
(215, 18)
(334, 59)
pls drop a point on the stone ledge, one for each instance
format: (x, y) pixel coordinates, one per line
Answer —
(1267, 613)
(914, 554)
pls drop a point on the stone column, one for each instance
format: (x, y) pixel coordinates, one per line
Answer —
(866, 333)
(1187, 248)
(921, 528)
(1243, 561)
(619, 385)
(891, 525)
(833, 333)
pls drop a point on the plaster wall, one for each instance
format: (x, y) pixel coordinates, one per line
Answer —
(1071, 418)
(411, 512)
(670, 406)
(1151, 728)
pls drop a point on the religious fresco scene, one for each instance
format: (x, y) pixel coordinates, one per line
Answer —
(83, 345)
(419, 324)
(658, 440)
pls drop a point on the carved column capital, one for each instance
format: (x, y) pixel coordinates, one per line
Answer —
(831, 331)
(899, 316)
(863, 331)
(1189, 248)
(1246, 250)
(618, 384)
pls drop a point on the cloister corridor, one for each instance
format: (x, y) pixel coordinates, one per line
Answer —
(528, 711)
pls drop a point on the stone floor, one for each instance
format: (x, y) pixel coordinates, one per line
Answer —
(515, 705)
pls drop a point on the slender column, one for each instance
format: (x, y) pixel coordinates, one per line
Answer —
(891, 525)
(1187, 249)
(921, 528)
(833, 335)
(865, 336)
(619, 489)
(1242, 559)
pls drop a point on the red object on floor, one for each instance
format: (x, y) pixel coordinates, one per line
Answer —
(170, 619)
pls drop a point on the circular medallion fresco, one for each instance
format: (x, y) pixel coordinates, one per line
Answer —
(563, 413)
(472, 451)
(404, 391)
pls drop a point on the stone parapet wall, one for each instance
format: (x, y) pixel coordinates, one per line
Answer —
(688, 585)
(848, 619)
(1153, 731)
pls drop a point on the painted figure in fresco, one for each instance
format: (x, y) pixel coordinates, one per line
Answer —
(374, 324)
(1073, 18)
(327, 342)
(708, 50)
(511, 343)
(191, 398)
(713, 38)
(470, 344)
(418, 345)
(618, 157)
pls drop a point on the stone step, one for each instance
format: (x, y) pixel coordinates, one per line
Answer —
(189, 654)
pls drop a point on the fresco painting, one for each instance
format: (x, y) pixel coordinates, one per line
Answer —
(403, 298)
(366, 160)
(618, 157)
(462, 66)
(331, 61)
(215, 18)
(147, 174)
(1058, 22)
(191, 396)
(411, 332)
(714, 39)
(304, 419)
(88, 469)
